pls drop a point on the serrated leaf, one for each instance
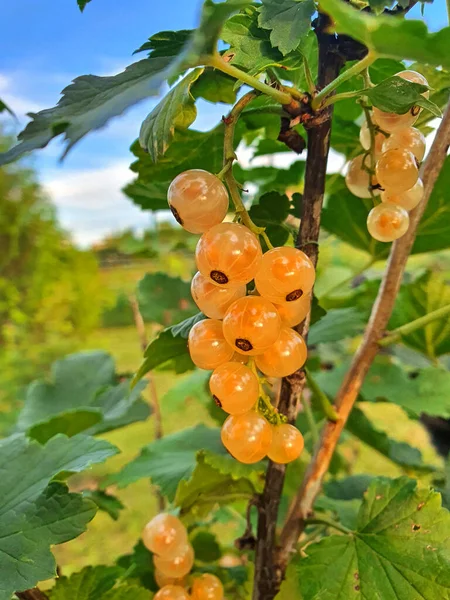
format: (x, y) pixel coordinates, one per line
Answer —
(194, 385)
(270, 212)
(166, 43)
(398, 551)
(430, 393)
(82, 4)
(81, 395)
(105, 502)
(378, 6)
(345, 511)
(250, 46)
(36, 513)
(170, 345)
(309, 50)
(164, 299)
(209, 485)
(88, 584)
(175, 111)
(140, 566)
(336, 325)
(126, 591)
(88, 104)
(215, 86)
(400, 453)
(348, 488)
(288, 21)
(389, 37)
(206, 547)
(169, 460)
(397, 95)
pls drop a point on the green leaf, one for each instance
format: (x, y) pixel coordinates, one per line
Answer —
(166, 43)
(397, 95)
(250, 45)
(164, 299)
(36, 513)
(345, 137)
(106, 502)
(271, 211)
(348, 488)
(215, 86)
(194, 385)
(206, 547)
(399, 452)
(81, 395)
(190, 149)
(378, 6)
(288, 21)
(169, 460)
(309, 49)
(424, 295)
(170, 345)
(336, 325)
(140, 566)
(398, 551)
(215, 481)
(175, 111)
(88, 104)
(93, 583)
(389, 37)
(439, 82)
(82, 4)
(345, 511)
(5, 107)
(430, 393)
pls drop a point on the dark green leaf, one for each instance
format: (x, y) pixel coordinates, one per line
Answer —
(430, 393)
(151, 195)
(89, 584)
(345, 511)
(169, 460)
(397, 95)
(89, 103)
(140, 566)
(398, 551)
(271, 212)
(250, 46)
(106, 502)
(392, 38)
(206, 547)
(268, 146)
(309, 50)
(166, 43)
(378, 6)
(164, 299)
(35, 513)
(383, 68)
(82, 4)
(349, 488)
(399, 452)
(336, 325)
(175, 111)
(194, 385)
(439, 82)
(345, 137)
(82, 395)
(215, 86)
(288, 20)
(5, 107)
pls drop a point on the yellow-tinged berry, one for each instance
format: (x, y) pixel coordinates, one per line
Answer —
(172, 592)
(287, 444)
(358, 178)
(178, 565)
(365, 140)
(198, 200)
(408, 138)
(207, 345)
(285, 275)
(164, 535)
(228, 255)
(162, 580)
(407, 200)
(251, 325)
(235, 388)
(247, 437)
(293, 313)
(387, 222)
(397, 170)
(287, 355)
(212, 299)
(207, 587)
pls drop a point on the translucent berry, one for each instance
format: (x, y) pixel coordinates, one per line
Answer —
(287, 444)
(198, 200)
(397, 170)
(162, 580)
(228, 254)
(415, 77)
(285, 275)
(235, 388)
(171, 592)
(287, 355)
(164, 535)
(178, 565)
(247, 437)
(207, 587)
(364, 138)
(358, 179)
(251, 325)
(212, 299)
(408, 138)
(207, 345)
(387, 222)
(293, 313)
(239, 358)
(407, 200)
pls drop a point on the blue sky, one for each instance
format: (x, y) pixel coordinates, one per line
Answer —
(44, 45)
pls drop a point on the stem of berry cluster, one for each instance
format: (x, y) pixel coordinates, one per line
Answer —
(395, 336)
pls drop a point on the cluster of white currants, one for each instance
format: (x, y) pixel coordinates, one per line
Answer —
(173, 557)
(399, 149)
(241, 328)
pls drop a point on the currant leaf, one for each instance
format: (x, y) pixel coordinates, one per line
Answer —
(288, 20)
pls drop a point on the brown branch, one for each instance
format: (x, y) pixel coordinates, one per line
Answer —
(33, 594)
(381, 312)
(140, 328)
(268, 573)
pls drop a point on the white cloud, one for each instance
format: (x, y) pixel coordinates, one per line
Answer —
(18, 103)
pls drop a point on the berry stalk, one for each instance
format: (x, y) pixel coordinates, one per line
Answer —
(396, 334)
